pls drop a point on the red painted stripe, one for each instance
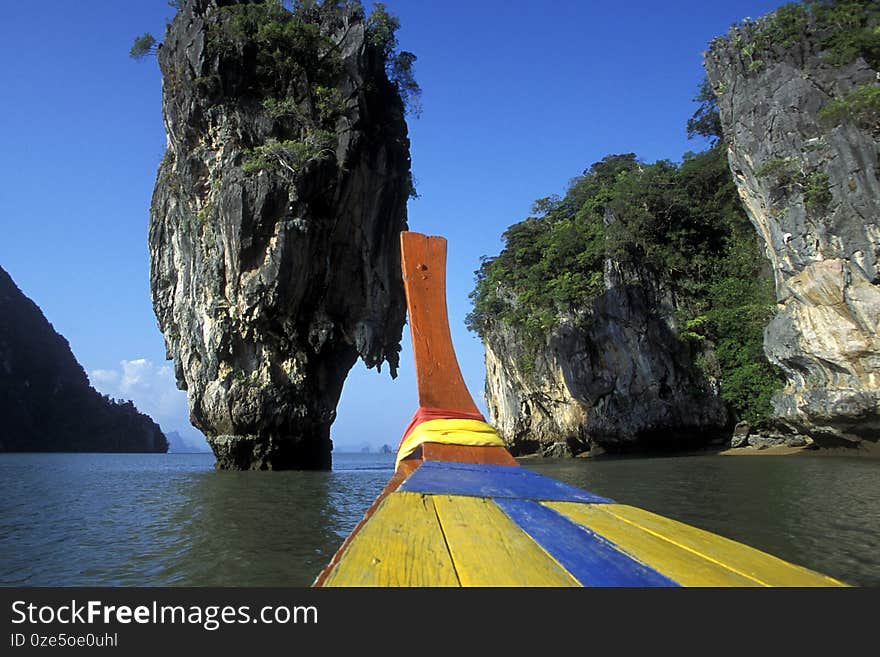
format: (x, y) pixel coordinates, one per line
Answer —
(426, 413)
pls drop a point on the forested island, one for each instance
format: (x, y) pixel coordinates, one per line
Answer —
(46, 401)
(662, 304)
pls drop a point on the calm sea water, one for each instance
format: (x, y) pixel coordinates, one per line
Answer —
(172, 520)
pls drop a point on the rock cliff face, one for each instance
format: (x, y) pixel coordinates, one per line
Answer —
(46, 402)
(810, 187)
(274, 223)
(619, 379)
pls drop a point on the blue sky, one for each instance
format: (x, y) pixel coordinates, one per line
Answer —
(519, 97)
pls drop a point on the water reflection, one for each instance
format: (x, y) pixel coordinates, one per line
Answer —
(262, 528)
(171, 520)
(254, 529)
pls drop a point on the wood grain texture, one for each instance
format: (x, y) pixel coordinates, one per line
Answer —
(764, 569)
(489, 480)
(404, 470)
(592, 560)
(401, 545)
(467, 454)
(440, 384)
(679, 564)
(489, 549)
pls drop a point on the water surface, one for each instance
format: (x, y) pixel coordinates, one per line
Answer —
(818, 511)
(172, 520)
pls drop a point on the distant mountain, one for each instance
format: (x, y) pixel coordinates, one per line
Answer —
(46, 402)
(362, 448)
(179, 444)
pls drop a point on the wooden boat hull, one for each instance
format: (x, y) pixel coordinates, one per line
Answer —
(459, 511)
(464, 524)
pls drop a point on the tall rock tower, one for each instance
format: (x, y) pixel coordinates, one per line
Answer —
(799, 99)
(275, 219)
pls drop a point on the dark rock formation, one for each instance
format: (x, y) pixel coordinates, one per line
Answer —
(275, 220)
(811, 189)
(46, 402)
(619, 380)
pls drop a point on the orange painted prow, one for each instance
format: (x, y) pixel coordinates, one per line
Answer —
(442, 390)
(440, 384)
(441, 387)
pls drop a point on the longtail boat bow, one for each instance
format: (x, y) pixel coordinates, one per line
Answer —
(460, 511)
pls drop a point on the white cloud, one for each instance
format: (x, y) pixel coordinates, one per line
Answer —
(103, 378)
(152, 389)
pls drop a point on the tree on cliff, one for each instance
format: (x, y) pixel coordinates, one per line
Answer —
(383, 34)
(267, 15)
(706, 122)
(143, 46)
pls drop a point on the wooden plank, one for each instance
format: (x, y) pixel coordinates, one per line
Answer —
(489, 480)
(401, 545)
(679, 564)
(403, 471)
(440, 384)
(489, 549)
(761, 567)
(589, 558)
(467, 454)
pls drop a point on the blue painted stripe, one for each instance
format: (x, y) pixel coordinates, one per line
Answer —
(591, 559)
(482, 480)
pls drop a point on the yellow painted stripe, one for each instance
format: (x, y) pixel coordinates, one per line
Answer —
(489, 549)
(764, 569)
(400, 545)
(449, 432)
(681, 565)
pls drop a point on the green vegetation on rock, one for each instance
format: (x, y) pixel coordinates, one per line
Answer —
(285, 45)
(682, 222)
(297, 72)
(860, 106)
(382, 28)
(290, 60)
(792, 175)
(295, 44)
(705, 122)
(846, 29)
(288, 156)
(143, 46)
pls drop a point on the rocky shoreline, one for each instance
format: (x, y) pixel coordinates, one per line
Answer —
(869, 451)
(752, 440)
(745, 441)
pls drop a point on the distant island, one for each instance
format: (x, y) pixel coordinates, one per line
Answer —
(179, 444)
(46, 401)
(370, 449)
